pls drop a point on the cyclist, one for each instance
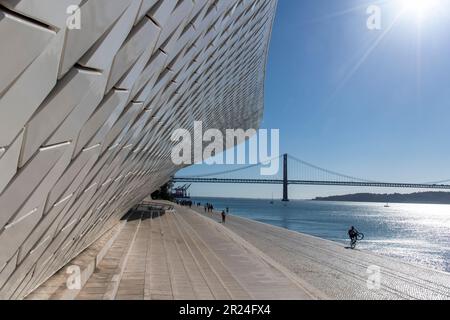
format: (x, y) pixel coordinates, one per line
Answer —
(353, 234)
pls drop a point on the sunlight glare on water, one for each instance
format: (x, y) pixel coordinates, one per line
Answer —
(415, 233)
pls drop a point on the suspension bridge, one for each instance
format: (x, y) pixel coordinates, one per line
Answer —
(298, 172)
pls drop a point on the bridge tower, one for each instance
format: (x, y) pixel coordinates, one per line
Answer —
(285, 178)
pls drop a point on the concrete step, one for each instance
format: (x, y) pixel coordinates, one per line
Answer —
(182, 286)
(227, 287)
(132, 282)
(200, 286)
(104, 282)
(55, 288)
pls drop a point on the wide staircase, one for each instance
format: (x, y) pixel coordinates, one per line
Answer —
(175, 254)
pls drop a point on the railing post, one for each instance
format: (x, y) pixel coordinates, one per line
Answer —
(285, 178)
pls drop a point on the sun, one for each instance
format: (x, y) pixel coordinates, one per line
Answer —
(420, 8)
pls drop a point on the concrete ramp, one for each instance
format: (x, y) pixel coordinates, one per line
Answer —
(338, 272)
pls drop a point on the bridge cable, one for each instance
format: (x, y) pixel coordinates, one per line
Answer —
(329, 171)
(229, 171)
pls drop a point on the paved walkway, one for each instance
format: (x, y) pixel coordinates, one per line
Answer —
(338, 272)
(182, 255)
(190, 255)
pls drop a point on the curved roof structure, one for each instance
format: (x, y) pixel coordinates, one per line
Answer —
(90, 93)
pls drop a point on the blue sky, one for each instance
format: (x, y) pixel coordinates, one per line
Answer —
(369, 103)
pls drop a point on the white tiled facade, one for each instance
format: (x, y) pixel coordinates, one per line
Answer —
(86, 114)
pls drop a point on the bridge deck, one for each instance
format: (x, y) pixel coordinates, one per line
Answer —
(312, 183)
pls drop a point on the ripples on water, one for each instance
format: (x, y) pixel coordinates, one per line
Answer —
(416, 233)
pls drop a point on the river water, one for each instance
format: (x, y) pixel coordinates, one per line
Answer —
(415, 233)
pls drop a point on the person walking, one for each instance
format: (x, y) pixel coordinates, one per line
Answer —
(224, 216)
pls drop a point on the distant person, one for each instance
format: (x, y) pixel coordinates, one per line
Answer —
(227, 210)
(224, 216)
